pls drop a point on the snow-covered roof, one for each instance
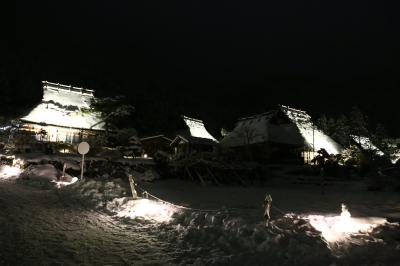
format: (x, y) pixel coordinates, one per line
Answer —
(259, 129)
(62, 106)
(197, 129)
(314, 137)
(298, 130)
(194, 140)
(155, 137)
(366, 144)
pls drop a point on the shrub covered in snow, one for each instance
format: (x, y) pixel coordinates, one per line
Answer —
(231, 241)
(43, 175)
(96, 194)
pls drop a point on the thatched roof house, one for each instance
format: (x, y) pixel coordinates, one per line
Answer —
(61, 114)
(193, 138)
(283, 128)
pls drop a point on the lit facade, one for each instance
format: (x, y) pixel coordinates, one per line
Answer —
(62, 115)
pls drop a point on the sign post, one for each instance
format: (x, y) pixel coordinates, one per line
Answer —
(83, 148)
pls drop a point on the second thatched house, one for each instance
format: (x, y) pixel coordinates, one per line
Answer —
(281, 134)
(194, 138)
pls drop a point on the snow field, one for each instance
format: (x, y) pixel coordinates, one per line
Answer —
(96, 221)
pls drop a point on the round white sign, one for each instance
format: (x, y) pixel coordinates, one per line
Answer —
(83, 147)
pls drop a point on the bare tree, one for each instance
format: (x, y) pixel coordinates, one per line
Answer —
(247, 135)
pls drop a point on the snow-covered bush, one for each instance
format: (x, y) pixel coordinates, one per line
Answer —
(96, 193)
(231, 241)
(43, 176)
(132, 148)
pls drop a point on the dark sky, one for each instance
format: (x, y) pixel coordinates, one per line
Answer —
(239, 56)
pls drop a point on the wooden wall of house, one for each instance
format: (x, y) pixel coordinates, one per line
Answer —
(57, 134)
(269, 153)
(185, 148)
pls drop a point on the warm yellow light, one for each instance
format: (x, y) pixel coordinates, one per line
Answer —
(338, 228)
(7, 172)
(149, 210)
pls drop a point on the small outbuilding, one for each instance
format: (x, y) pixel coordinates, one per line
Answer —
(194, 138)
(152, 144)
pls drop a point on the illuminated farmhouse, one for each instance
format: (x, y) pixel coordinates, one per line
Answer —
(280, 134)
(60, 117)
(194, 138)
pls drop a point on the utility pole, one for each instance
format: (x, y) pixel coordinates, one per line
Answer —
(313, 141)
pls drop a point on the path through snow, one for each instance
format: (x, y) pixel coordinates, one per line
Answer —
(38, 228)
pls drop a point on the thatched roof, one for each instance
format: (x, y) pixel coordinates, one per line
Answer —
(63, 106)
(196, 129)
(284, 125)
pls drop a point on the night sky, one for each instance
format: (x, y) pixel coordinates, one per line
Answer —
(218, 60)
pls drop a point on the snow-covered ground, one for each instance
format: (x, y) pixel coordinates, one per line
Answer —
(97, 223)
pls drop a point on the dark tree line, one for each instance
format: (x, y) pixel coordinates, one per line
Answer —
(355, 124)
(19, 82)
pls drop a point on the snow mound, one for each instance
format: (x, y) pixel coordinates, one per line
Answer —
(45, 172)
(60, 184)
(348, 237)
(96, 194)
(115, 198)
(228, 240)
(339, 228)
(147, 176)
(9, 172)
(143, 209)
(228, 237)
(45, 176)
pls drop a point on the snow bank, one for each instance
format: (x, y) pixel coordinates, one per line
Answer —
(143, 209)
(96, 194)
(147, 176)
(221, 239)
(230, 237)
(338, 228)
(9, 172)
(115, 198)
(348, 237)
(45, 176)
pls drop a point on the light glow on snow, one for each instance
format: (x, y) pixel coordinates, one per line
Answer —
(60, 184)
(5, 128)
(149, 210)
(7, 171)
(314, 138)
(339, 228)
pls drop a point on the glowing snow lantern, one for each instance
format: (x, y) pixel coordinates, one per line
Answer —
(149, 210)
(338, 228)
